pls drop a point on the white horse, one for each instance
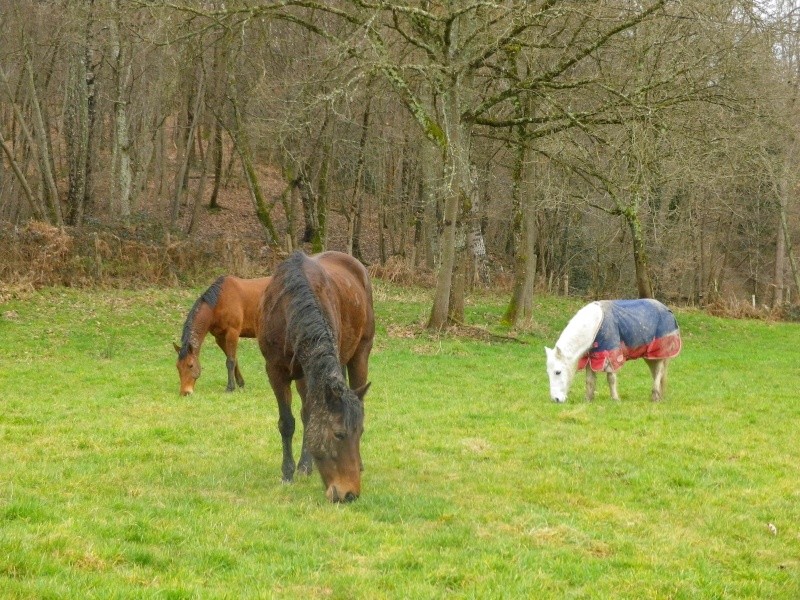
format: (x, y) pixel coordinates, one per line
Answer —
(603, 335)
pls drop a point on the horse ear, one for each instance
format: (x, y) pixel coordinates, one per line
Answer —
(177, 348)
(548, 352)
(362, 391)
(558, 354)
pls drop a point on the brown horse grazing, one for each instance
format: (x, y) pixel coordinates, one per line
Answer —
(229, 309)
(316, 319)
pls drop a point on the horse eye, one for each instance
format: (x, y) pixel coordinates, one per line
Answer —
(339, 435)
(558, 372)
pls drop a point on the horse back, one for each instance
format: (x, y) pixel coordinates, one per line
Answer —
(343, 291)
(631, 329)
(343, 288)
(238, 306)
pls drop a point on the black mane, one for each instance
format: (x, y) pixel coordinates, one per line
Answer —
(210, 297)
(312, 339)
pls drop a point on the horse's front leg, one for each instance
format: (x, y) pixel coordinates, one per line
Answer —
(358, 367)
(591, 382)
(305, 465)
(223, 341)
(286, 423)
(658, 369)
(612, 385)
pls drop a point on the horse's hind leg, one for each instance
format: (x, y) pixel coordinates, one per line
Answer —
(612, 385)
(232, 344)
(658, 369)
(229, 344)
(238, 374)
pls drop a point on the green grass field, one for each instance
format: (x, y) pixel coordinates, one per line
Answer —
(476, 485)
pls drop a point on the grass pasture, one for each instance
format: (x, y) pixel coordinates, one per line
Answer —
(476, 485)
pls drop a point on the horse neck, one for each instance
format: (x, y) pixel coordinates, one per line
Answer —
(201, 323)
(577, 337)
(320, 363)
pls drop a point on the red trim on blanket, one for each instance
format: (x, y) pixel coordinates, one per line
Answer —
(668, 346)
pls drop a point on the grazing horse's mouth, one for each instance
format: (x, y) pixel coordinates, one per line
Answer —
(334, 495)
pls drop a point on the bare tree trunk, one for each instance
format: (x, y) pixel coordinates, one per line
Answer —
(319, 241)
(76, 129)
(644, 285)
(468, 247)
(457, 175)
(780, 255)
(218, 156)
(33, 204)
(48, 178)
(198, 198)
(43, 209)
(476, 244)
(242, 144)
(123, 184)
(520, 307)
(91, 108)
(790, 253)
(183, 163)
(308, 201)
(430, 177)
(146, 153)
(353, 211)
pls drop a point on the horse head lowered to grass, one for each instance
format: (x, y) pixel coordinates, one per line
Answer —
(603, 335)
(229, 309)
(318, 323)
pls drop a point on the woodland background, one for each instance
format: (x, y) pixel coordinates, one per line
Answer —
(605, 148)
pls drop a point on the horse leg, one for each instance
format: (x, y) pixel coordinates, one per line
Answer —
(238, 374)
(230, 359)
(286, 422)
(591, 382)
(305, 465)
(232, 344)
(658, 369)
(612, 385)
(357, 369)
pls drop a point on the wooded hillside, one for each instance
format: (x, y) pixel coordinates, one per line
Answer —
(595, 147)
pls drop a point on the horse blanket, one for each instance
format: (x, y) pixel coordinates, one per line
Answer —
(632, 329)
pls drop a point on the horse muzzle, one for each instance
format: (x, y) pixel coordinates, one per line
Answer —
(335, 495)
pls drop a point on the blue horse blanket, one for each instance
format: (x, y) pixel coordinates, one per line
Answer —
(632, 329)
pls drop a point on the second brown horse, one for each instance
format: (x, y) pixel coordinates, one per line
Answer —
(229, 309)
(317, 320)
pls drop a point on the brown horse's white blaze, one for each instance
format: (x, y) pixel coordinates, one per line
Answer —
(318, 324)
(229, 309)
